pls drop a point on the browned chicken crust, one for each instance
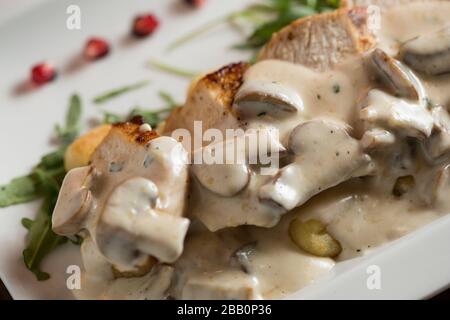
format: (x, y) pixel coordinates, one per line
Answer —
(131, 130)
(210, 101)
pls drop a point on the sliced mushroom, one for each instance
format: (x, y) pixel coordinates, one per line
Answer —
(259, 98)
(407, 118)
(224, 179)
(397, 77)
(224, 166)
(130, 228)
(429, 53)
(325, 156)
(74, 202)
(376, 138)
(439, 143)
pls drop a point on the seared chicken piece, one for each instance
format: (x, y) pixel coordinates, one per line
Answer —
(321, 41)
(209, 100)
(131, 198)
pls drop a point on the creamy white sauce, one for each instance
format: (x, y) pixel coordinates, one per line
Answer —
(332, 94)
(357, 199)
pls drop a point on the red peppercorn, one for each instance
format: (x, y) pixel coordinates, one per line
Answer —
(195, 3)
(42, 73)
(96, 48)
(145, 25)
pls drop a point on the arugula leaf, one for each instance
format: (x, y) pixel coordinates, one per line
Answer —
(247, 13)
(152, 117)
(173, 70)
(41, 239)
(44, 178)
(287, 12)
(262, 34)
(72, 126)
(117, 92)
(19, 190)
(275, 14)
(26, 223)
(53, 159)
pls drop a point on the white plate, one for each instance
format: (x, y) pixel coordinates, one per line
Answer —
(413, 267)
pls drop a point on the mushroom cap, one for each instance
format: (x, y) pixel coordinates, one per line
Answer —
(131, 229)
(429, 53)
(408, 118)
(74, 202)
(223, 179)
(397, 77)
(258, 98)
(325, 156)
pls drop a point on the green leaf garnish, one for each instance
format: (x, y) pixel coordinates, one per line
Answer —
(152, 117)
(27, 223)
(117, 92)
(249, 12)
(172, 69)
(41, 240)
(72, 126)
(19, 190)
(269, 17)
(287, 11)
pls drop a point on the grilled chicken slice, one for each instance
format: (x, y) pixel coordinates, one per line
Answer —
(209, 100)
(130, 198)
(321, 41)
